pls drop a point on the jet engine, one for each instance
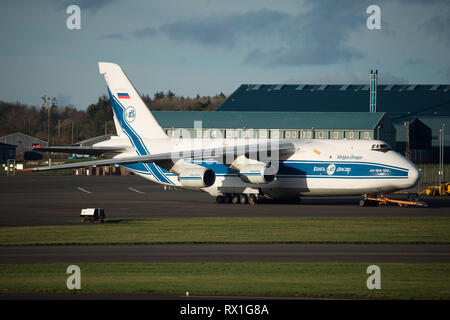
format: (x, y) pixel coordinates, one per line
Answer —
(257, 173)
(193, 175)
(197, 177)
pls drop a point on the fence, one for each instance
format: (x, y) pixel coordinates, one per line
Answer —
(430, 173)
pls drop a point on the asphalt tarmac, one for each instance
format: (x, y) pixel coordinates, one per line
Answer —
(57, 200)
(291, 252)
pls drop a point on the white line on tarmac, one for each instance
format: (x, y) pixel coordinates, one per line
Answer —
(136, 190)
(84, 190)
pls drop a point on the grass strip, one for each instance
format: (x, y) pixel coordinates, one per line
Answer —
(336, 280)
(237, 230)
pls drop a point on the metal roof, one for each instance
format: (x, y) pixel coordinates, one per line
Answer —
(92, 141)
(20, 135)
(393, 98)
(270, 120)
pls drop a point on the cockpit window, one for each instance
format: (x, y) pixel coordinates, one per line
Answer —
(383, 147)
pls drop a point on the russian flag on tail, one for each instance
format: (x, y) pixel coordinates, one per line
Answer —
(123, 95)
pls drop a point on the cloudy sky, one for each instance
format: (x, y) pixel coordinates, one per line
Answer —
(210, 46)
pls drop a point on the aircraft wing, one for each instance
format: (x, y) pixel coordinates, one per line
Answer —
(250, 150)
(94, 151)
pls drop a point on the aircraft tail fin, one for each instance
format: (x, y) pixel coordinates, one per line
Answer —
(132, 117)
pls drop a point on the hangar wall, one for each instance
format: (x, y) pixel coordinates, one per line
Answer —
(279, 125)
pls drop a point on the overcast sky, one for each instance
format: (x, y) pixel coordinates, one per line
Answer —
(206, 46)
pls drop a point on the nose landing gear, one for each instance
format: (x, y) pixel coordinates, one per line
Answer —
(365, 202)
(380, 200)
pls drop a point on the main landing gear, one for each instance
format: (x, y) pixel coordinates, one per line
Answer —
(236, 198)
(252, 199)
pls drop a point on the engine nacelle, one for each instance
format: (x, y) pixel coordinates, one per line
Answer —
(193, 175)
(197, 177)
(257, 173)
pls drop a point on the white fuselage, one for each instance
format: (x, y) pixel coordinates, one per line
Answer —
(316, 168)
(311, 168)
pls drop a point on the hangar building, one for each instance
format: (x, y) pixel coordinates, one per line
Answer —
(23, 141)
(282, 125)
(399, 100)
(412, 107)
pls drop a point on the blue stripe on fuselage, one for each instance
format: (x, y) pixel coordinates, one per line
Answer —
(311, 169)
(341, 169)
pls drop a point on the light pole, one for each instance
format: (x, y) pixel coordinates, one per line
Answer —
(44, 104)
(407, 124)
(47, 102)
(441, 153)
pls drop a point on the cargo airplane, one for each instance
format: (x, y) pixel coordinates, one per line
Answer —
(240, 170)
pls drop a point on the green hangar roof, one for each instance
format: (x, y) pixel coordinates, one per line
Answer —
(395, 99)
(270, 120)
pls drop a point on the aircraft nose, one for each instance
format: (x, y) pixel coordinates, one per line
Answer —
(413, 175)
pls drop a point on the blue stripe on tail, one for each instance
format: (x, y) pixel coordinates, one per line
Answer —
(136, 141)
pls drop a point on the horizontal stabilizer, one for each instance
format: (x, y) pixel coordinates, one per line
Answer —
(89, 150)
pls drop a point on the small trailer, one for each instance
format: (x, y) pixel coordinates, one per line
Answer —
(93, 214)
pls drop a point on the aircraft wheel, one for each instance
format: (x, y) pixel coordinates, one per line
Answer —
(252, 200)
(227, 198)
(243, 199)
(362, 202)
(220, 199)
(235, 199)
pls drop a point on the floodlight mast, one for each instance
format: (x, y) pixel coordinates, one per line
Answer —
(373, 91)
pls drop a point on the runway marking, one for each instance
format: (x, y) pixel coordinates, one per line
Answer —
(84, 190)
(136, 190)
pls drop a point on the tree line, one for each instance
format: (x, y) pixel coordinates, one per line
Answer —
(69, 125)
